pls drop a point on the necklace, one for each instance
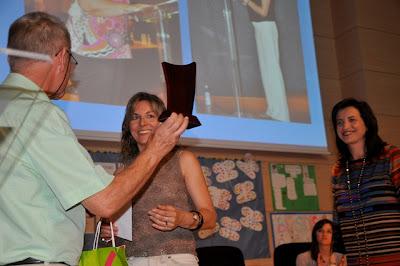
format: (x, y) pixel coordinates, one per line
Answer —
(328, 260)
(353, 209)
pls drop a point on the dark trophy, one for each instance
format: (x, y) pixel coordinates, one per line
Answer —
(180, 81)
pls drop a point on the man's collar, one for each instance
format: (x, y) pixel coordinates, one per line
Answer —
(20, 82)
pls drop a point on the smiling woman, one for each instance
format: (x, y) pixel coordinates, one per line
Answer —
(351, 130)
(366, 183)
(143, 122)
(175, 202)
(132, 119)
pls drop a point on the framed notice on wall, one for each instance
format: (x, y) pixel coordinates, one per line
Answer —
(294, 227)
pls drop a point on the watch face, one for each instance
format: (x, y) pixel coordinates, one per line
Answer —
(195, 216)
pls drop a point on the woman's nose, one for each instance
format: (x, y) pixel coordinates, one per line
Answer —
(142, 121)
(345, 125)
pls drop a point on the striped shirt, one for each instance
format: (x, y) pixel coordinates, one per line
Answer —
(368, 213)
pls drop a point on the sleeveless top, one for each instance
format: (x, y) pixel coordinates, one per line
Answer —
(166, 186)
(257, 18)
(369, 216)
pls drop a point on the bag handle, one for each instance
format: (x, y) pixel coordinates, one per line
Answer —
(97, 235)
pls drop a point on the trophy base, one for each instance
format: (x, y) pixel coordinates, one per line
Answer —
(193, 120)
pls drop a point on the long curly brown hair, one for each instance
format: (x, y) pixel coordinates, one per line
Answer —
(129, 148)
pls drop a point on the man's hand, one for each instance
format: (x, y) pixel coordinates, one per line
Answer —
(167, 135)
(105, 232)
(129, 181)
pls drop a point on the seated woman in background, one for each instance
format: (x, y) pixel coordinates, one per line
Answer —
(321, 252)
(174, 202)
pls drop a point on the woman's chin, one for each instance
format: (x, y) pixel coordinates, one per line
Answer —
(142, 141)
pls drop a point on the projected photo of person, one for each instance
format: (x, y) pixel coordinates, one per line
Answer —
(250, 59)
(119, 54)
(119, 45)
(266, 36)
(100, 28)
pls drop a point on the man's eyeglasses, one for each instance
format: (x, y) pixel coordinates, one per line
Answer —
(70, 56)
(73, 58)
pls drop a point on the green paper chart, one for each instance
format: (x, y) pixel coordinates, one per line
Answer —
(294, 187)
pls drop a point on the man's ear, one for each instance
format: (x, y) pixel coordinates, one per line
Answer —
(61, 60)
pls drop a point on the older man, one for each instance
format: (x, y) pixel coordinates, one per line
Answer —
(47, 179)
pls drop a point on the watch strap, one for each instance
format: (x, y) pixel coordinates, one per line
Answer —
(200, 219)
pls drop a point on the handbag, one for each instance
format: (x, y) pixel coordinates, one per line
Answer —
(108, 256)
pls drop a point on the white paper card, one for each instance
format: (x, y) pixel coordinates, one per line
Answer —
(124, 224)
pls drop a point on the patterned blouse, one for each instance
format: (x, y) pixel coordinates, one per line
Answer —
(367, 208)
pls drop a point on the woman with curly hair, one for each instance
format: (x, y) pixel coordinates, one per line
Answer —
(175, 201)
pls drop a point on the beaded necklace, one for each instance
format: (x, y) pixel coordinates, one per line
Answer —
(353, 209)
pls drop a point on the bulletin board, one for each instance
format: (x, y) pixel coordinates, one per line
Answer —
(236, 188)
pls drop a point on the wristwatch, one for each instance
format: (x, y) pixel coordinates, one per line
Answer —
(198, 218)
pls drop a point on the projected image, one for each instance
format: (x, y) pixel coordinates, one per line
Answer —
(257, 82)
(119, 45)
(250, 61)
